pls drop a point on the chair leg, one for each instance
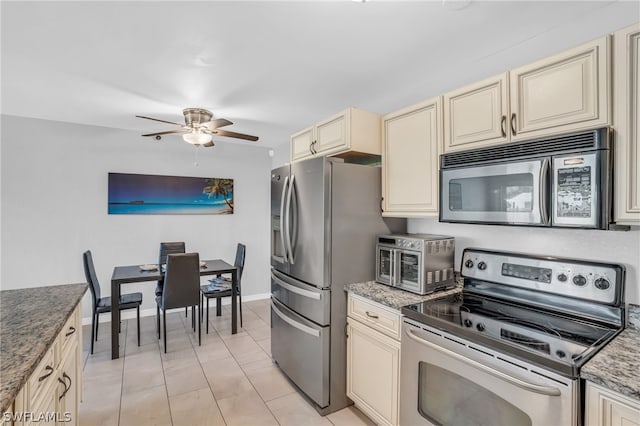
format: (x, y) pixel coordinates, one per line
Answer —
(199, 327)
(207, 315)
(164, 325)
(240, 301)
(93, 328)
(158, 320)
(138, 315)
(97, 324)
(193, 317)
(218, 307)
(186, 309)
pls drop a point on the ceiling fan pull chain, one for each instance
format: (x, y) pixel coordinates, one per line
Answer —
(195, 161)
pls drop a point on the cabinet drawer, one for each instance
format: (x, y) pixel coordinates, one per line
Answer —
(376, 316)
(42, 377)
(69, 334)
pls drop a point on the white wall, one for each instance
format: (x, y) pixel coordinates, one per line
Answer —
(54, 205)
(281, 155)
(606, 246)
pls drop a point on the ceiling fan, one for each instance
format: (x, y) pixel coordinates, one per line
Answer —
(198, 127)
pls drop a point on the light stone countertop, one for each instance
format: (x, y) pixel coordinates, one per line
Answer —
(617, 366)
(30, 321)
(392, 297)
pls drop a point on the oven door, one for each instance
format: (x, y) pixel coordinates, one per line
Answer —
(448, 381)
(385, 263)
(506, 193)
(409, 270)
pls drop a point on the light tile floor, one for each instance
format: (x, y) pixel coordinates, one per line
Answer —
(229, 380)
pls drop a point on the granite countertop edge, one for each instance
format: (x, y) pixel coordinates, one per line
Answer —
(22, 312)
(394, 298)
(617, 365)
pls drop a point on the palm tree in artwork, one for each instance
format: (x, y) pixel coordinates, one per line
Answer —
(220, 187)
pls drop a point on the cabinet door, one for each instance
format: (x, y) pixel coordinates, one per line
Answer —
(301, 144)
(608, 408)
(411, 145)
(331, 134)
(562, 93)
(477, 115)
(626, 86)
(373, 366)
(69, 395)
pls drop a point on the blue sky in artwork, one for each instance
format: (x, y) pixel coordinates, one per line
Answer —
(124, 188)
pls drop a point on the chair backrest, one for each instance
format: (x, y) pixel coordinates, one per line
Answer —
(241, 252)
(167, 248)
(181, 281)
(90, 275)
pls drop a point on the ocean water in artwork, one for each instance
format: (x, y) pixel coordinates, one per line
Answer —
(151, 194)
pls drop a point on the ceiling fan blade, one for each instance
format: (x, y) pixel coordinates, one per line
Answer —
(234, 135)
(167, 132)
(208, 144)
(218, 122)
(162, 121)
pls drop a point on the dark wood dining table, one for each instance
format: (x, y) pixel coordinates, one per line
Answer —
(134, 274)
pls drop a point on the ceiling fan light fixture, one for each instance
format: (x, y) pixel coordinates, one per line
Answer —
(197, 138)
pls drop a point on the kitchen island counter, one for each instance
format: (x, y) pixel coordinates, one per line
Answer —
(30, 321)
(617, 366)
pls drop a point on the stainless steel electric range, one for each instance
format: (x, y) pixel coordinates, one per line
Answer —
(508, 349)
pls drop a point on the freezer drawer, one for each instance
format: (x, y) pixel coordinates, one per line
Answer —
(301, 350)
(310, 302)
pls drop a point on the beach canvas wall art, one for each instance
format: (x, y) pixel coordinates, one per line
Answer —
(155, 194)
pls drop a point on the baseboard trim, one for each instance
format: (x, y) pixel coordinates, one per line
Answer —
(130, 313)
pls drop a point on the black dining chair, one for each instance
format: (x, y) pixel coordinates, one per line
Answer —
(181, 289)
(167, 248)
(221, 286)
(103, 304)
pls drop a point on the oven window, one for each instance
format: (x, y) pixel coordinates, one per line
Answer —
(384, 264)
(409, 267)
(445, 398)
(501, 193)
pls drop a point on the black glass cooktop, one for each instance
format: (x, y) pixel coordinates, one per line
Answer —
(560, 342)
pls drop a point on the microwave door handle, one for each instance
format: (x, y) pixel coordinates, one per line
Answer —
(544, 191)
(282, 212)
(287, 220)
(543, 390)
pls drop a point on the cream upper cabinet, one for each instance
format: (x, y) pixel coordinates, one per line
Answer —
(373, 359)
(605, 407)
(566, 92)
(350, 131)
(563, 93)
(412, 143)
(476, 115)
(626, 116)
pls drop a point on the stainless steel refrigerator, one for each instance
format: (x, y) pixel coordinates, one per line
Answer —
(325, 215)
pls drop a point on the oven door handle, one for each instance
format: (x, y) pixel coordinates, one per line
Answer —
(544, 390)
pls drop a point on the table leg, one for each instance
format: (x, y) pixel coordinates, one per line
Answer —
(234, 302)
(115, 319)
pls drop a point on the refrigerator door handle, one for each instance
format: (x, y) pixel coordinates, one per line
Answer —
(287, 221)
(295, 324)
(293, 289)
(283, 230)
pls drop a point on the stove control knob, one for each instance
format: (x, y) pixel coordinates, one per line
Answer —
(562, 277)
(468, 263)
(560, 354)
(579, 280)
(602, 284)
(480, 326)
(482, 266)
(467, 323)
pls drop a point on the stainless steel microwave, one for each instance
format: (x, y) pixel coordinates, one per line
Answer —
(563, 181)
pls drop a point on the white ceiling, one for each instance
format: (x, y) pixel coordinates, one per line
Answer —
(270, 67)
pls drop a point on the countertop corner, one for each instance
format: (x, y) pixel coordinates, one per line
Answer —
(392, 297)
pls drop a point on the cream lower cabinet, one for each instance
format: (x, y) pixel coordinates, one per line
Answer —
(563, 93)
(373, 359)
(626, 116)
(412, 143)
(605, 407)
(353, 130)
(51, 395)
